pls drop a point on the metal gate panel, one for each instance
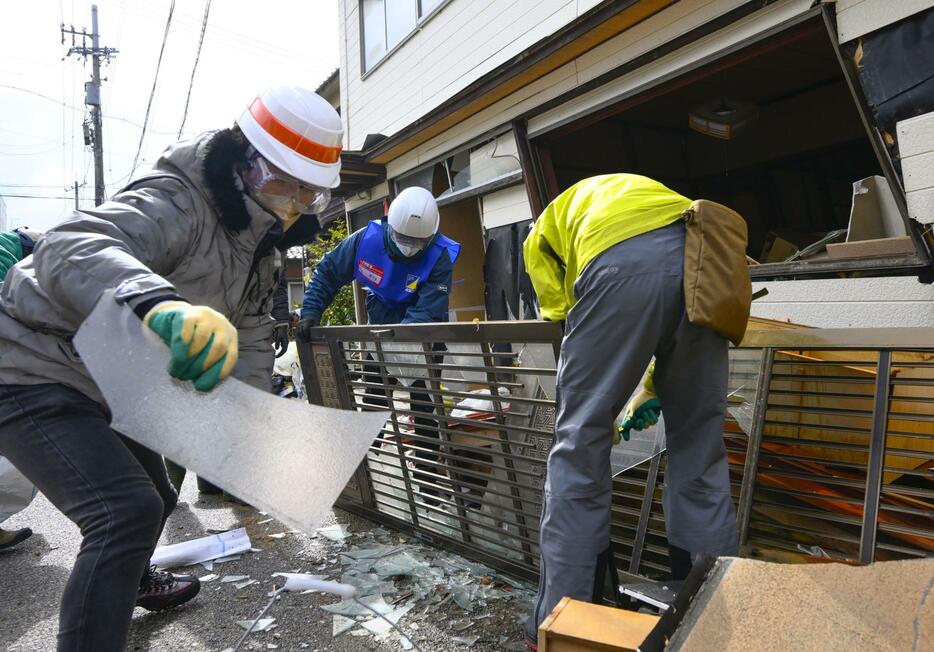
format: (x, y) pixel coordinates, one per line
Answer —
(829, 436)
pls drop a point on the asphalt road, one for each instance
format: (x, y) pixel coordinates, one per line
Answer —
(33, 575)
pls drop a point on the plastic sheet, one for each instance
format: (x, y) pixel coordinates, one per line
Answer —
(285, 457)
(16, 492)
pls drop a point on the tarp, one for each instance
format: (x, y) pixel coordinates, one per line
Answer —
(286, 457)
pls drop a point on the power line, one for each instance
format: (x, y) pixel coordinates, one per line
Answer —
(81, 110)
(37, 196)
(191, 83)
(155, 80)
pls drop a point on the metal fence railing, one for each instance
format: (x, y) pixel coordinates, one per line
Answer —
(830, 436)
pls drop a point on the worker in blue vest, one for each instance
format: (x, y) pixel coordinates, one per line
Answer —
(405, 266)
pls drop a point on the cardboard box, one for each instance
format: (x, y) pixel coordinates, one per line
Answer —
(575, 626)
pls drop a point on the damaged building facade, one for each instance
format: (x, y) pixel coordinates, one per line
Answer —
(814, 120)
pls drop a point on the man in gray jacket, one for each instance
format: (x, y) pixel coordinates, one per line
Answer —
(194, 249)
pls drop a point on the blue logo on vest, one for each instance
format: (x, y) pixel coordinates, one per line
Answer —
(411, 283)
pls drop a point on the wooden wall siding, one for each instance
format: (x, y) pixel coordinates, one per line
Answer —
(858, 17)
(916, 148)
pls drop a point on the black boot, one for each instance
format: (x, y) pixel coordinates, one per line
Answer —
(606, 579)
(680, 561)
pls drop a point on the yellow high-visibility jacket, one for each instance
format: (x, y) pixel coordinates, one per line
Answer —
(584, 221)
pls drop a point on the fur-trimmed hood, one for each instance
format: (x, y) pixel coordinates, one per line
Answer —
(211, 162)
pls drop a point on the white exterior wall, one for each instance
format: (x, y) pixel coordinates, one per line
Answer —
(848, 303)
(916, 148)
(867, 302)
(858, 17)
(463, 41)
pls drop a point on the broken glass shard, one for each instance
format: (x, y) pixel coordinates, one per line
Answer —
(342, 624)
(379, 626)
(353, 608)
(337, 532)
(262, 625)
(469, 641)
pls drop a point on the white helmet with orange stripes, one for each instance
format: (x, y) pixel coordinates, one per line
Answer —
(298, 132)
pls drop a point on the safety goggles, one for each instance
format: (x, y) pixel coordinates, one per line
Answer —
(408, 243)
(281, 189)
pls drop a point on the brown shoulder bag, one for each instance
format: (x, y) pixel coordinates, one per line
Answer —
(717, 289)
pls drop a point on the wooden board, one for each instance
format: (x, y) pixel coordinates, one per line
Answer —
(575, 626)
(900, 246)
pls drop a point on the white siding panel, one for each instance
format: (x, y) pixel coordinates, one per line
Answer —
(916, 147)
(680, 18)
(918, 171)
(505, 206)
(916, 135)
(849, 303)
(858, 17)
(669, 65)
(921, 205)
(462, 42)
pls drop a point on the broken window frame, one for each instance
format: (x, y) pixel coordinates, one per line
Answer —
(542, 167)
(447, 163)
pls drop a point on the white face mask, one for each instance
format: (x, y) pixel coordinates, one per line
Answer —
(408, 251)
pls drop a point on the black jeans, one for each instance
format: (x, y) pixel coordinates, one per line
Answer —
(115, 491)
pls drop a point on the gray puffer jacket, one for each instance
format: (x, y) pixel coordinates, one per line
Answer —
(185, 230)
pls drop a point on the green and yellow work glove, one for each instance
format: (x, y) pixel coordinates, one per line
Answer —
(202, 342)
(643, 410)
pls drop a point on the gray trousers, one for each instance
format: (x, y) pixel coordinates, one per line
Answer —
(630, 306)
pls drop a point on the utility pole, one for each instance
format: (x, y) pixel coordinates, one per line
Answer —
(92, 93)
(76, 194)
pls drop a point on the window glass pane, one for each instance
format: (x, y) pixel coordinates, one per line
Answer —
(400, 20)
(374, 31)
(427, 6)
(481, 164)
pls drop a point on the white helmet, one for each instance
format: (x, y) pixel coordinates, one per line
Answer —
(413, 220)
(298, 132)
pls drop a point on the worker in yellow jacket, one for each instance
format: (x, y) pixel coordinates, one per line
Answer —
(607, 258)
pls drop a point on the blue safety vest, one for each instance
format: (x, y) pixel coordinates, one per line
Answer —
(396, 283)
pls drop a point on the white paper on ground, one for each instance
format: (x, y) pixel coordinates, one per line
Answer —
(213, 547)
(285, 457)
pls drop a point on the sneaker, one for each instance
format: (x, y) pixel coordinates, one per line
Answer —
(10, 538)
(160, 590)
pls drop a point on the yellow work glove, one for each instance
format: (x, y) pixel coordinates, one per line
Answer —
(202, 342)
(643, 409)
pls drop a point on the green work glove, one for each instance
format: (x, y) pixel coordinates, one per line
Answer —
(643, 410)
(202, 342)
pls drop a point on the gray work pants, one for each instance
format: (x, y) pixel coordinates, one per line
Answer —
(630, 306)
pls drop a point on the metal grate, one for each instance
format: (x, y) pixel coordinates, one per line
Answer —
(830, 445)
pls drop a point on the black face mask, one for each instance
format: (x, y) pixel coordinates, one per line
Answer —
(27, 243)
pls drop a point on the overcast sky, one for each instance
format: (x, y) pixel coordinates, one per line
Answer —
(248, 45)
